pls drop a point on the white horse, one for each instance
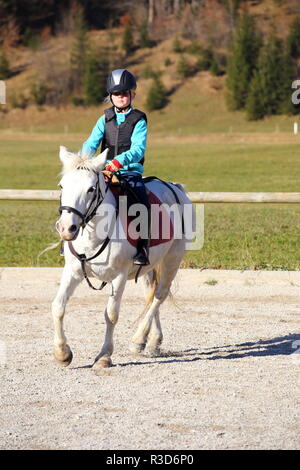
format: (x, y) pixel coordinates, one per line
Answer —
(83, 192)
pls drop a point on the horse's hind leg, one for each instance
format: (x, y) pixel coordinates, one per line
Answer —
(149, 327)
(149, 331)
(139, 341)
(155, 335)
(62, 352)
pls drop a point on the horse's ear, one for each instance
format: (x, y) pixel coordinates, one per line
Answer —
(100, 161)
(67, 158)
(63, 153)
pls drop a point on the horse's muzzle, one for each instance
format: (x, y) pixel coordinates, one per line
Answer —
(67, 233)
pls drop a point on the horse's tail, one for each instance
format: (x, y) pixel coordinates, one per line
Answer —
(48, 248)
(156, 275)
(153, 280)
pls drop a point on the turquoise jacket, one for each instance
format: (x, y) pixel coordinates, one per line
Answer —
(129, 159)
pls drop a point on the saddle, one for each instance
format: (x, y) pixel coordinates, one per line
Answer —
(161, 233)
(119, 187)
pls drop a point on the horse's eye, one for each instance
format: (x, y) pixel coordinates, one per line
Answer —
(92, 188)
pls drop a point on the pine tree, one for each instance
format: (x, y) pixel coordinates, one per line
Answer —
(271, 72)
(215, 68)
(255, 108)
(242, 62)
(293, 39)
(157, 95)
(39, 93)
(128, 43)
(184, 68)
(288, 75)
(79, 52)
(270, 89)
(177, 46)
(4, 66)
(94, 80)
(206, 59)
(145, 40)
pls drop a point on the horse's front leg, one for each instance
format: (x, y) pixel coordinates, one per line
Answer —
(62, 352)
(111, 317)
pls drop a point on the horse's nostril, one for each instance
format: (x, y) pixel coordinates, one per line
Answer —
(73, 228)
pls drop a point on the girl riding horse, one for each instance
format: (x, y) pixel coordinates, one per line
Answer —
(123, 130)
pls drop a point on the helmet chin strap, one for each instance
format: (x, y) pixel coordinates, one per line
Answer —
(124, 108)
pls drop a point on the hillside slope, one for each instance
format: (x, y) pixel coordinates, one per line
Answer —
(195, 105)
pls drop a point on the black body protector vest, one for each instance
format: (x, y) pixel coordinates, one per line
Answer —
(118, 138)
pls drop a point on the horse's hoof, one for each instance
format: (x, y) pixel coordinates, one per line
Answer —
(103, 362)
(136, 348)
(152, 352)
(63, 358)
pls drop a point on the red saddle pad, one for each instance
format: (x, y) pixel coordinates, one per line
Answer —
(162, 230)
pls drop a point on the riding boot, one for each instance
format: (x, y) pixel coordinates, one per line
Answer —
(141, 258)
(137, 194)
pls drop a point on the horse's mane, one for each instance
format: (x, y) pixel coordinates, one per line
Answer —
(76, 160)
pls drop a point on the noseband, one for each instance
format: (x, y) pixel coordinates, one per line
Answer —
(92, 209)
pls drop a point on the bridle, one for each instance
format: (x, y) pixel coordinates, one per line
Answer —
(98, 197)
(85, 218)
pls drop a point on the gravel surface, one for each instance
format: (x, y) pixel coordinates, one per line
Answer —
(228, 376)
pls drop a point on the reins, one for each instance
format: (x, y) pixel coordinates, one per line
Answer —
(83, 259)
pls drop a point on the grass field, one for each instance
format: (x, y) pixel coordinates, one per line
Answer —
(237, 236)
(195, 140)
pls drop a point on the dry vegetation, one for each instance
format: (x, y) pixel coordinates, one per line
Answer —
(47, 61)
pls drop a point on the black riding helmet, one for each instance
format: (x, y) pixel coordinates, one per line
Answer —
(120, 80)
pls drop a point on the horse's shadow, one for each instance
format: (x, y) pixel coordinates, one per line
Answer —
(279, 346)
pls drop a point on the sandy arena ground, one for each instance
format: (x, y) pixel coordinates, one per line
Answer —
(228, 376)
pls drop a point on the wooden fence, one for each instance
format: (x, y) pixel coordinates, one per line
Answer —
(204, 197)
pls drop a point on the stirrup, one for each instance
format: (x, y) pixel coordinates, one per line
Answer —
(141, 259)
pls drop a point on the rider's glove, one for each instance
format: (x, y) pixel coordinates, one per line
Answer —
(114, 165)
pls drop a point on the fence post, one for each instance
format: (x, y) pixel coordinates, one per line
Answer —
(295, 128)
(2, 92)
